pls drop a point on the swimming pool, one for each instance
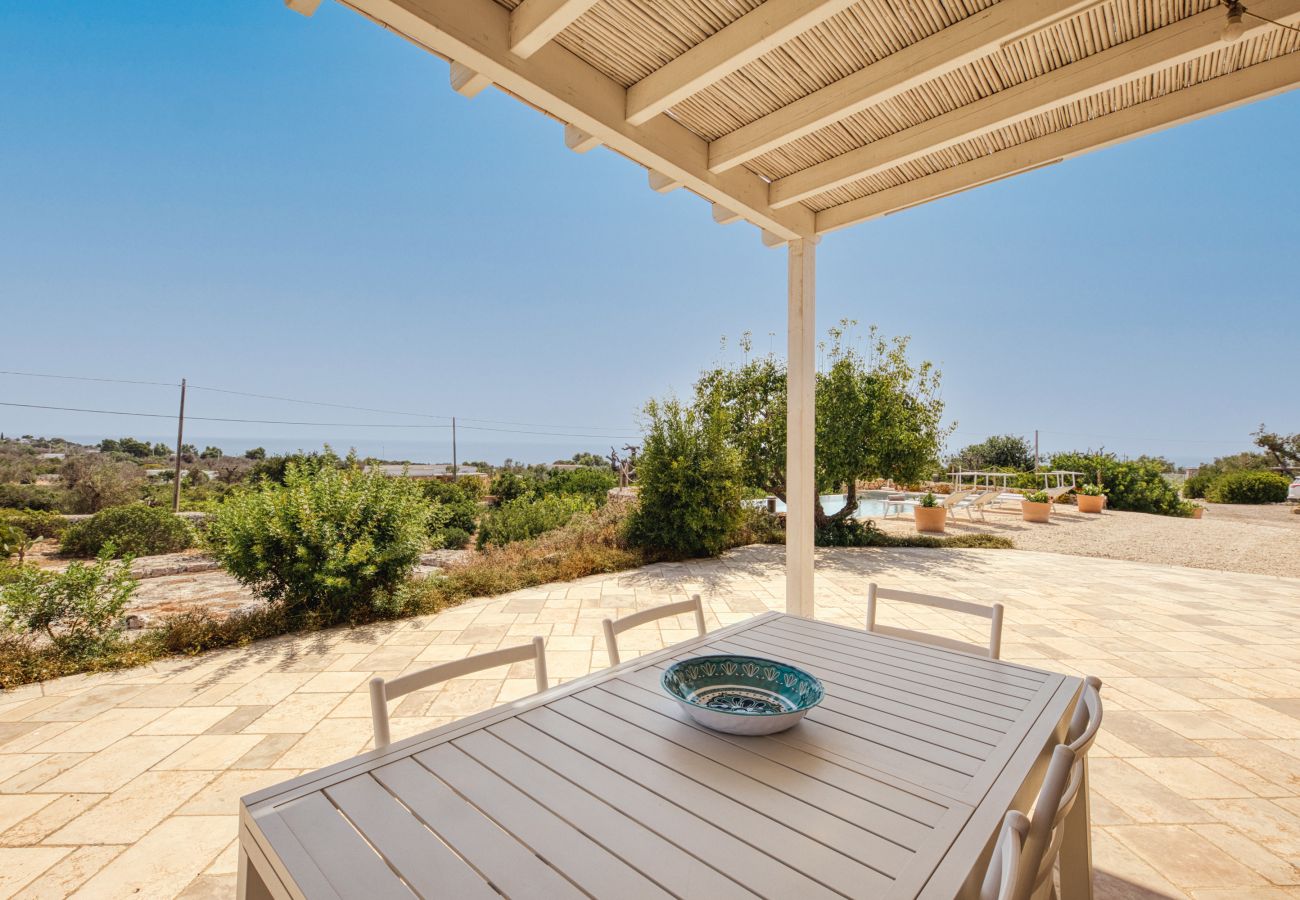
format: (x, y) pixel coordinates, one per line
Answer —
(868, 507)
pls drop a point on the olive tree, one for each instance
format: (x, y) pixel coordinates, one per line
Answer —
(878, 415)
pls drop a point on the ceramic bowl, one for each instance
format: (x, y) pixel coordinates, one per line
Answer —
(742, 694)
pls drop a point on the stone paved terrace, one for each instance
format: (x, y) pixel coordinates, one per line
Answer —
(126, 784)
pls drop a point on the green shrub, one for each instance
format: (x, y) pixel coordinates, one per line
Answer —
(328, 542)
(1091, 490)
(593, 483)
(1194, 488)
(1248, 487)
(458, 499)
(509, 486)
(929, 500)
(79, 610)
(1136, 485)
(524, 518)
(1037, 497)
(35, 496)
(35, 523)
(137, 530)
(689, 482)
(453, 539)
(13, 542)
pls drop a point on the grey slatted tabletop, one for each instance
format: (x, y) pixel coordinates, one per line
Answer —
(892, 788)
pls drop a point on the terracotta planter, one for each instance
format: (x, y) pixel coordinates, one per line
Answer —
(1091, 503)
(1034, 512)
(931, 518)
(1198, 512)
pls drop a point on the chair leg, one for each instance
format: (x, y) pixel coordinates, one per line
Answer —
(1076, 846)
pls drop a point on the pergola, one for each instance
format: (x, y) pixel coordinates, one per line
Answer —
(805, 116)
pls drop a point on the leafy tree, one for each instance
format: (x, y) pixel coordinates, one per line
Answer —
(128, 445)
(1002, 451)
(877, 416)
(1283, 449)
(211, 452)
(161, 449)
(690, 489)
(457, 499)
(595, 460)
(507, 486)
(255, 453)
(97, 482)
(333, 542)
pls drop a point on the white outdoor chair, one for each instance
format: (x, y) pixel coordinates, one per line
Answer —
(993, 613)
(382, 691)
(615, 627)
(1042, 844)
(981, 503)
(1076, 863)
(1001, 877)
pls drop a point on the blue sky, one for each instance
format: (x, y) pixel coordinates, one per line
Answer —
(301, 207)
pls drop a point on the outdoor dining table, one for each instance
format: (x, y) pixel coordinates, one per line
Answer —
(895, 786)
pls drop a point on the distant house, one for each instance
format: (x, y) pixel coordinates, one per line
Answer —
(427, 471)
(51, 455)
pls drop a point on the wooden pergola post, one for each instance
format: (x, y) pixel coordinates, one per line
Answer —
(801, 375)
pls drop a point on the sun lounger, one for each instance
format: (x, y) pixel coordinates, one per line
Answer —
(981, 503)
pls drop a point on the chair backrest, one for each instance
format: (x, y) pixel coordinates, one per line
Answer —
(1059, 491)
(1001, 877)
(382, 691)
(614, 627)
(1086, 719)
(1047, 824)
(993, 613)
(954, 498)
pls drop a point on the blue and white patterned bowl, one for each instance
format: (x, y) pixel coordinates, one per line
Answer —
(742, 694)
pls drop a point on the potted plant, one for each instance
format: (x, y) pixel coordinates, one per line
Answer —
(1092, 497)
(1198, 510)
(1036, 507)
(930, 516)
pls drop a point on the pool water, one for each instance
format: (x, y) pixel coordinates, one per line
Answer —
(868, 507)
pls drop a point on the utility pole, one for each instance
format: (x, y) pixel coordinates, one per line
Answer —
(1036, 462)
(454, 476)
(180, 437)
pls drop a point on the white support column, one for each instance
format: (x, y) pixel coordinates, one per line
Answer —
(801, 375)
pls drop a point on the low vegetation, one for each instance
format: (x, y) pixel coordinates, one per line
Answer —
(136, 530)
(1248, 487)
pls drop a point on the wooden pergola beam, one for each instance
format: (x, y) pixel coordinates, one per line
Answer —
(476, 33)
(578, 140)
(466, 82)
(1245, 86)
(1160, 49)
(306, 7)
(535, 22)
(738, 44)
(949, 49)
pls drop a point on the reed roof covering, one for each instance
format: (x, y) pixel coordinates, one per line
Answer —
(807, 115)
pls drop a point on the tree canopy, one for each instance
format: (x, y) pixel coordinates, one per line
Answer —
(878, 415)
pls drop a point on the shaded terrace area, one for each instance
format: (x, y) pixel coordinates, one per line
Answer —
(127, 783)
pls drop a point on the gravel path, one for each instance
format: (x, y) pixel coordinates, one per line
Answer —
(1263, 540)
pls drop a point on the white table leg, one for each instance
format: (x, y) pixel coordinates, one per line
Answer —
(1076, 847)
(251, 886)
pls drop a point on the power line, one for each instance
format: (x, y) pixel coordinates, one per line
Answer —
(388, 412)
(117, 412)
(85, 378)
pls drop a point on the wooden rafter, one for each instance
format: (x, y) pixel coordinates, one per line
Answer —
(949, 49)
(1177, 43)
(535, 22)
(743, 41)
(1254, 83)
(466, 82)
